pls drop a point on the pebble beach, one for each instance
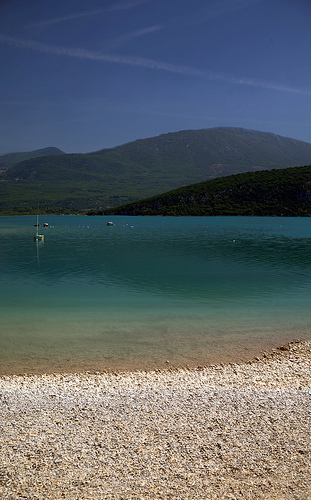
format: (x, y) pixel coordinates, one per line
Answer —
(234, 431)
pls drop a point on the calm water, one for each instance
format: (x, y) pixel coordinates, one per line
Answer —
(188, 290)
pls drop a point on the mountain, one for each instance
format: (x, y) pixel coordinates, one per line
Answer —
(213, 152)
(269, 192)
(9, 160)
(143, 168)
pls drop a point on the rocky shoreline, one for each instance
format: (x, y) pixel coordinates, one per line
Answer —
(218, 432)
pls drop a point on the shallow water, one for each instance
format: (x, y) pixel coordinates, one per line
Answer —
(188, 290)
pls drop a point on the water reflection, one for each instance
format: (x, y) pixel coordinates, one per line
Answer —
(39, 243)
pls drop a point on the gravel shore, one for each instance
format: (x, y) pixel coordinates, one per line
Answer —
(219, 432)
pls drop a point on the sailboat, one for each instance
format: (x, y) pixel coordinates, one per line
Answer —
(38, 237)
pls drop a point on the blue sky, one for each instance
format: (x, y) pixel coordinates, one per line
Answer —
(85, 75)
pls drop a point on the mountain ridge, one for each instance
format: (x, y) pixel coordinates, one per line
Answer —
(11, 159)
(143, 168)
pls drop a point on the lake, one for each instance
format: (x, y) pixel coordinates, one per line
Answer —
(150, 292)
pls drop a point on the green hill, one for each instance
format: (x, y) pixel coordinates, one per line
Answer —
(9, 160)
(143, 168)
(276, 192)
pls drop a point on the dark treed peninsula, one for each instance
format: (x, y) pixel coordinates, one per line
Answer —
(102, 180)
(285, 192)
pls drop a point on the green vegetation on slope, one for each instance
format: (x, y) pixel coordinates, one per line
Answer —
(9, 160)
(276, 192)
(143, 168)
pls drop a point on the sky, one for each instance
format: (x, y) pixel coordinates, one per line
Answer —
(83, 75)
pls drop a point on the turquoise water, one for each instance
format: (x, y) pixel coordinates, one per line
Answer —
(188, 290)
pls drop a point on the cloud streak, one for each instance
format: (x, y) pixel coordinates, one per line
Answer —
(146, 63)
(127, 37)
(79, 15)
(214, 9)
(223, 8)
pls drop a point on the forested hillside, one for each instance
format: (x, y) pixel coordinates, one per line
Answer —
(71, 183)
(10, 160)
(285, 192)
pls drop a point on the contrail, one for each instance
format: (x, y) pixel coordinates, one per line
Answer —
(121, 40)
(96, 56)
(145, 63)
(78, 15)
(129, 5)
(70, 17)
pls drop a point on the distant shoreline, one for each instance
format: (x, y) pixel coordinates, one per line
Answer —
(155, 215)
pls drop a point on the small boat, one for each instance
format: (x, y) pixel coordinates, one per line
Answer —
(110, 223)
(45, 224)
(38, 237)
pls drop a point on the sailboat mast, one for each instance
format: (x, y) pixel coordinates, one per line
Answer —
(38, 237)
